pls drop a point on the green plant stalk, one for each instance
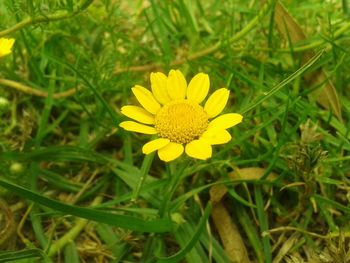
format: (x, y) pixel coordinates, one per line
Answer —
(35, 92)
(249, 229)
(49, 18)
(177, 257)
(249, 27)
(263, 223)
(283, 83)
(146, 165)
(34, 168)
(175, 179)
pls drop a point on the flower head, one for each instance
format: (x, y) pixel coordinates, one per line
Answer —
(173, 111)
(6, 46)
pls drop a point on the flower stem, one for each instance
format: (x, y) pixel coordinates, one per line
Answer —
(146, 165)
(175, 176)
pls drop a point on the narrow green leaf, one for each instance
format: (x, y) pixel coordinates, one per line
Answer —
(71, 254)
(7, 256)
(283, 83)
(114, 241)
(240, 199)
(249, 228)
(123, 221)
(146, 165)
(182, 253)
(321, 199)
(60, 181)
(70, 5)
(263, 223)
(54, 153)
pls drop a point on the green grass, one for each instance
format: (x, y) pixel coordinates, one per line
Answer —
(74, 187)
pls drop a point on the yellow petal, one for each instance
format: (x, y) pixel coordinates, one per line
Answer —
(170, 152)
(146, 99)
(199, 149)
(224, 122)
(176, 85)
(138, 114)
(155, 145)
(216, 102)
(6, 46)
(159, 87)
(198, 88)
(137, 127)
(216, 137)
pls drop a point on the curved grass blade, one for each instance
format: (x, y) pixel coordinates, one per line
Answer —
(8, 256)
(283, 83)
(239, 199)
(55, 153)
(326, 94)
(94, 89)
(123, 221)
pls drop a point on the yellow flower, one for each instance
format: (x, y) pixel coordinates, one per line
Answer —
(173, 111)
(6, 46)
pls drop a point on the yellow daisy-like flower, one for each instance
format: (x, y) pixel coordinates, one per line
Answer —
(173, 111)
(6, 45)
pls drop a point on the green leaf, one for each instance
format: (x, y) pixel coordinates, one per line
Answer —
(240, 199)
(332, 203)
(283, 83)
(71, 254)
(123, 221)
(182, 253)
(55, 153)
(7, 256)
(263, 220)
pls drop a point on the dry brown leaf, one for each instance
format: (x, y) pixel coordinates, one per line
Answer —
(295, 184)
(229, 234)
(326, 95)
(217, 192)
(286, 247)
(251, 173)
(227, 229)
(7, 224)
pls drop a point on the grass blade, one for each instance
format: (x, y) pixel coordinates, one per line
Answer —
(123, 221)
(182, 253)
(326, 95)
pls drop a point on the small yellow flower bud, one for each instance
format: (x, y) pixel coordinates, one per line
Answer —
(4, 104)
(16, 168)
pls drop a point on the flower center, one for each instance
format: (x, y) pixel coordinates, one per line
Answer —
(181, 121)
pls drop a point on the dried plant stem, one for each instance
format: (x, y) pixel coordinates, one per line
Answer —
(80, 224)
(32, 21)
(290, 228)
(21, 225)
(236, 37)
(9, 226)
(250, 26)
(42, 19)
(29, 90)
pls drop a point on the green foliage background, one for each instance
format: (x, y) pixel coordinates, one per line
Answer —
(63, 159)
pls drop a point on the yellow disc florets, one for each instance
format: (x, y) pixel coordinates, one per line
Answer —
(181, 121)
